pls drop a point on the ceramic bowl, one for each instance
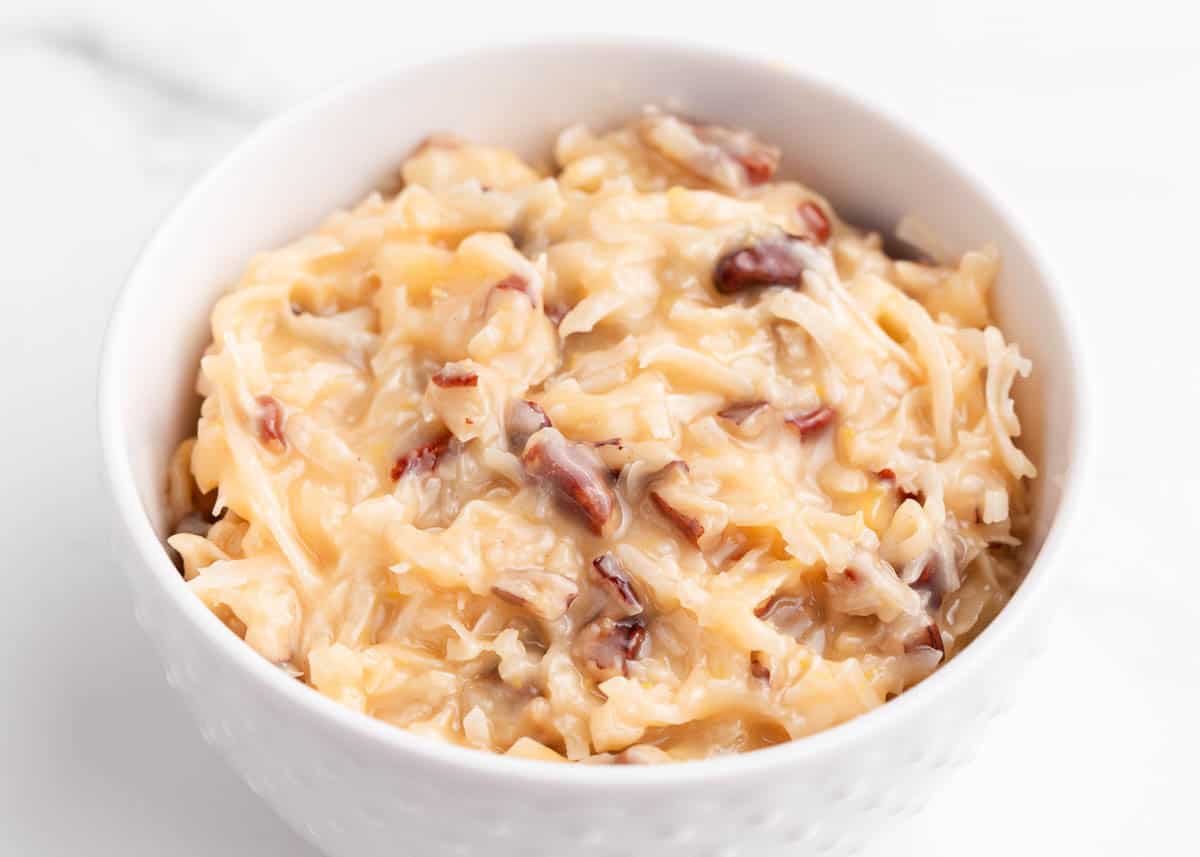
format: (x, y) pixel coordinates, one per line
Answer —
(357, 787)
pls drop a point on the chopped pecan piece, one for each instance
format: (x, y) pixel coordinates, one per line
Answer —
(606, 645)
(556, 312)
(759, 166)
(772, 261)
(811, 422)
(758, 666)
(787, 614)
(525, 419)
(930, 637)
(511, 283)
(516, 283)
(937, 577)
(270, 421)
(422, 459)
(889, 475)
(617, 584)
(686, 524)
(739, 412)
(572, 473)
(815, 221)
(759, 160)
(674, 473)
(454, 375)
(731, 158)
(542, 593)
(673, 470)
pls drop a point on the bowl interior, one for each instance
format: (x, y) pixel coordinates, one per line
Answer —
(295, 170)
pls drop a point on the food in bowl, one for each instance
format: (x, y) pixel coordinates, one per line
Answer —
(650, 457)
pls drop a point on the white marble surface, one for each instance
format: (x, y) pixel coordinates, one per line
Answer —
(1083, 118)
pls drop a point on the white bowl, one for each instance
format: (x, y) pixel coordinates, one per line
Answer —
(356, 786)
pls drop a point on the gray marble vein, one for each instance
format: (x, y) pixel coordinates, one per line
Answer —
(128, 66)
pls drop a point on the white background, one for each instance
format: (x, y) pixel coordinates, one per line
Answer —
(1084, 118)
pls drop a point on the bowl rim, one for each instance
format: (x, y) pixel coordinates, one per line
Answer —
(399, 743)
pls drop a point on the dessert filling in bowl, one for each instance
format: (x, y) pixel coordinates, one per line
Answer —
(647, 457)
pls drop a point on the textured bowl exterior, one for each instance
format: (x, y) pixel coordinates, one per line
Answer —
(354, 799)
(354, 786)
